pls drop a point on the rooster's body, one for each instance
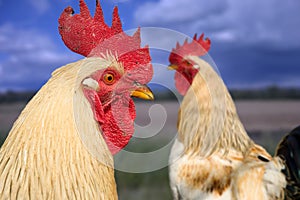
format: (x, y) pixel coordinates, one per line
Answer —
(213, 157)
(61, 145)
(47, 155)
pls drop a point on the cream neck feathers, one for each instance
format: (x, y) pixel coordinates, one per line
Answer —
(208, 121)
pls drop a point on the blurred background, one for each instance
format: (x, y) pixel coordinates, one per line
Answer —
(255, 46)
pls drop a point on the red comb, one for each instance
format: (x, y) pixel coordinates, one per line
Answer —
(90, 36)
(198, 47)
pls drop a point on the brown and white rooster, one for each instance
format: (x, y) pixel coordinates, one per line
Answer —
(213, 157)
(61, 145)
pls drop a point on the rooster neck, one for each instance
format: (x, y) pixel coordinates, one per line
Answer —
(55, 149)
(208, 121)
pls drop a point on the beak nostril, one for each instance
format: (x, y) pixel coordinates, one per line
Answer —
(137, 84)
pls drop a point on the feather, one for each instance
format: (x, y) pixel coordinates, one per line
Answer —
(213, 157)
(50, 155)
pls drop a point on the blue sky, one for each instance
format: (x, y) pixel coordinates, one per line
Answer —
(255, 43)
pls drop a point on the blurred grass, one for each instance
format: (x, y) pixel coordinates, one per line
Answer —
(268, 139)
(155, 185)
(3, 135)
(152, 185)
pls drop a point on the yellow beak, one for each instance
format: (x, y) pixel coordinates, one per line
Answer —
(172, 67)
(142, 92)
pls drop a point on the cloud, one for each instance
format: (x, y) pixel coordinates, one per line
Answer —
(225, 35)
(254, 43)
(13, 39)
(250, 21)
(27, 58)
(177, 11)
(41, 6)
(121, 1)
(253, 66)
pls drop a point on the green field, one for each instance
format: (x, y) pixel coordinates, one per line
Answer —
(266, 122)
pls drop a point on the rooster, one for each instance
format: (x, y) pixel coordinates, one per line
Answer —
(213, 157)
(61, 145)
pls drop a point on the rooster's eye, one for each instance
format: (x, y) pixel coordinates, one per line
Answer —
(108, 78)
(188, 63)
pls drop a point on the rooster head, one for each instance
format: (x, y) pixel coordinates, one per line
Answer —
(185, 67)
(121, 69)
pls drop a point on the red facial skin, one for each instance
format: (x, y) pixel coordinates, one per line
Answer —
(184, 76)
(113, 107)
(185, 71)
(90, 36)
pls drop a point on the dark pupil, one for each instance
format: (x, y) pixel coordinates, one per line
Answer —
(109, 78)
